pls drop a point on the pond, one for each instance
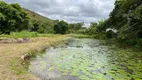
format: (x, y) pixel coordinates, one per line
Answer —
(87, 59)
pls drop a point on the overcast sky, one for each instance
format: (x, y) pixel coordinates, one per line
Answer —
(86, 11)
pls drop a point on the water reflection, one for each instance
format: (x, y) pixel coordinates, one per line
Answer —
(85, 59)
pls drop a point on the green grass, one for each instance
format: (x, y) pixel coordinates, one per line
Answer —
(26, 34)
(81, 36)
(17, 67)
(94, 36)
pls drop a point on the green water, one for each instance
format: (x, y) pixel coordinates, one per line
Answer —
(87, 59)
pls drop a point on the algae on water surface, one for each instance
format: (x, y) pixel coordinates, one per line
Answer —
(88, 59)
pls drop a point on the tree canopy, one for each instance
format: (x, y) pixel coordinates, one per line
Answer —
(60, 27)
(12, 18)
(126, 17)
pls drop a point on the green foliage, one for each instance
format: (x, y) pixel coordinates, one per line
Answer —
(45, 29)
(36, 25)
(83, 30)
(25, 34)
(81, 36)
(40, 19)
(75, 27)
(130, 29)
(110, 34)
(92, 29)
(45, 25)
(17, 67)
(97, 27)
(60, 27)
(13, 18)
(126, 17)
(41, 24)
(41, 27)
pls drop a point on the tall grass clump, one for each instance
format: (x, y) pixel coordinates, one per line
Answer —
(80, 36)
(26, 34)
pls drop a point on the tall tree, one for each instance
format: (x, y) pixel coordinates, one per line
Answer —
(126, 17)
(60, 27)
(13, 18)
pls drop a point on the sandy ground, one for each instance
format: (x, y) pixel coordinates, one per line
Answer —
(16, 50)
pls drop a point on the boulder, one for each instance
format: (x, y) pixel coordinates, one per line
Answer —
(25, 57)
(20, 40)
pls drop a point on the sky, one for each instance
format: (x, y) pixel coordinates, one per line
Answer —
(72, 11)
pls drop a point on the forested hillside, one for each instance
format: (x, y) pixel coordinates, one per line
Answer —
(14, 18)
(36, 16)
(41, 24)
(126, 18)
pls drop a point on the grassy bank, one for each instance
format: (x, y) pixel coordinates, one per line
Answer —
(94, 36)
(80, 36)
(11, 65)
(26, 34)
(136, 48)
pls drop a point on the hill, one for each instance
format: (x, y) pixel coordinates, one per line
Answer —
(35, 16)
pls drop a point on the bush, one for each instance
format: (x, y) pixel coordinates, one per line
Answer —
(60, 27)
(13, 18)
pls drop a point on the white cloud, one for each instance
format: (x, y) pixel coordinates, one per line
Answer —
(70, 10)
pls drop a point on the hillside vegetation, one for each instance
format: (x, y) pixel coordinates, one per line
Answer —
(35, 16)
(41, 24)
(14, 18)
(124, 23)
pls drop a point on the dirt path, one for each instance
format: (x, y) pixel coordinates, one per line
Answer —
(10, 62)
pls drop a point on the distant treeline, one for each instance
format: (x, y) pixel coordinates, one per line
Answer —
(14, 18)
(124, 23)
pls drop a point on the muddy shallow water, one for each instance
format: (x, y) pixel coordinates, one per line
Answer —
(87, 59)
